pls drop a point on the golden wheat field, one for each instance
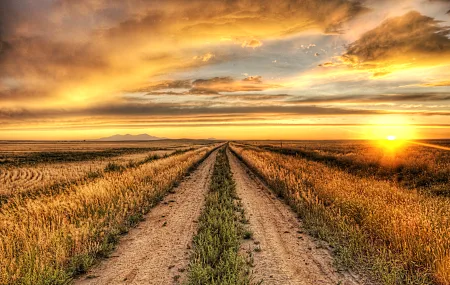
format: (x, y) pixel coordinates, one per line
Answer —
(399, 232)
(27, 168)
(48, 236)
(22, 179)
(410, 164)
(383, 209)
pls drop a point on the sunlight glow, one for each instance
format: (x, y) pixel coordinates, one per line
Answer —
(390, 129)
(392, 146)
(391, 133)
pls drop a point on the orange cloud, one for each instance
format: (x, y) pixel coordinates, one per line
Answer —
(206, 57)
(73, 56)
(406, 41)
(81, 52)
(435, 84)
(252, 44)
(327, 64)
(213, 85)
(228, 84)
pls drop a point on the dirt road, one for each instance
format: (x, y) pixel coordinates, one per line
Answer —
(287, 255)
(157, 251)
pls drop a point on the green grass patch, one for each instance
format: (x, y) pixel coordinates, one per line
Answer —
(216, 258)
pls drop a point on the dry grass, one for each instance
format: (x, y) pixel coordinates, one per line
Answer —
(399, 235)
(20, 154)
(24, 147)
(28, 179)
(47, 240)
(407, 164)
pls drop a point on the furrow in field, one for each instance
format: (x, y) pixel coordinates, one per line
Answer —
(31, 179)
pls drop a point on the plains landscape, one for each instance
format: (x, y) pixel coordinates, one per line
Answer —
(219, 212)
(225, 142)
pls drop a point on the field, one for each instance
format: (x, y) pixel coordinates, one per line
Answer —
(383, 207)
(27, 168)
(409, 165)
(47, 238)
(204, 212)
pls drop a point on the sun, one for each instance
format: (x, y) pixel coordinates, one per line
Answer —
(391, 133)
(391, 129)
(392, 144)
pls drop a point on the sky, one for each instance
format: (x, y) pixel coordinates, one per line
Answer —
(228, 69)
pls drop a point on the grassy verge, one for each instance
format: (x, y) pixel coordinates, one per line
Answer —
(395, 235)
(216, 258)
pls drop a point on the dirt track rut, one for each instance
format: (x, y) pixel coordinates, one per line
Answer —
(157, 251)
(287, 255)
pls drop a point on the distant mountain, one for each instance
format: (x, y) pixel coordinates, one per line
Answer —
(211, 139)
(128, 137)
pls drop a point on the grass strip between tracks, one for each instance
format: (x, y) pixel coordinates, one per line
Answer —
(216, 258)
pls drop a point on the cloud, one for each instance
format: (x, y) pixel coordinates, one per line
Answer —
(19, 94)
(254, 79)
(164, 109)
(327, 64)
(251, 44)
(409, 40)
(289, 99)
(252, 97)
(374, 98)
(159, 109)
(44, 69)
(167, 84)
(435, 84)
(85, 51)
(209, 86)
(229, 84)
(206, 57)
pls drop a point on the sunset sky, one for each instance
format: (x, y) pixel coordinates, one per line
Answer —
(229, 69)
